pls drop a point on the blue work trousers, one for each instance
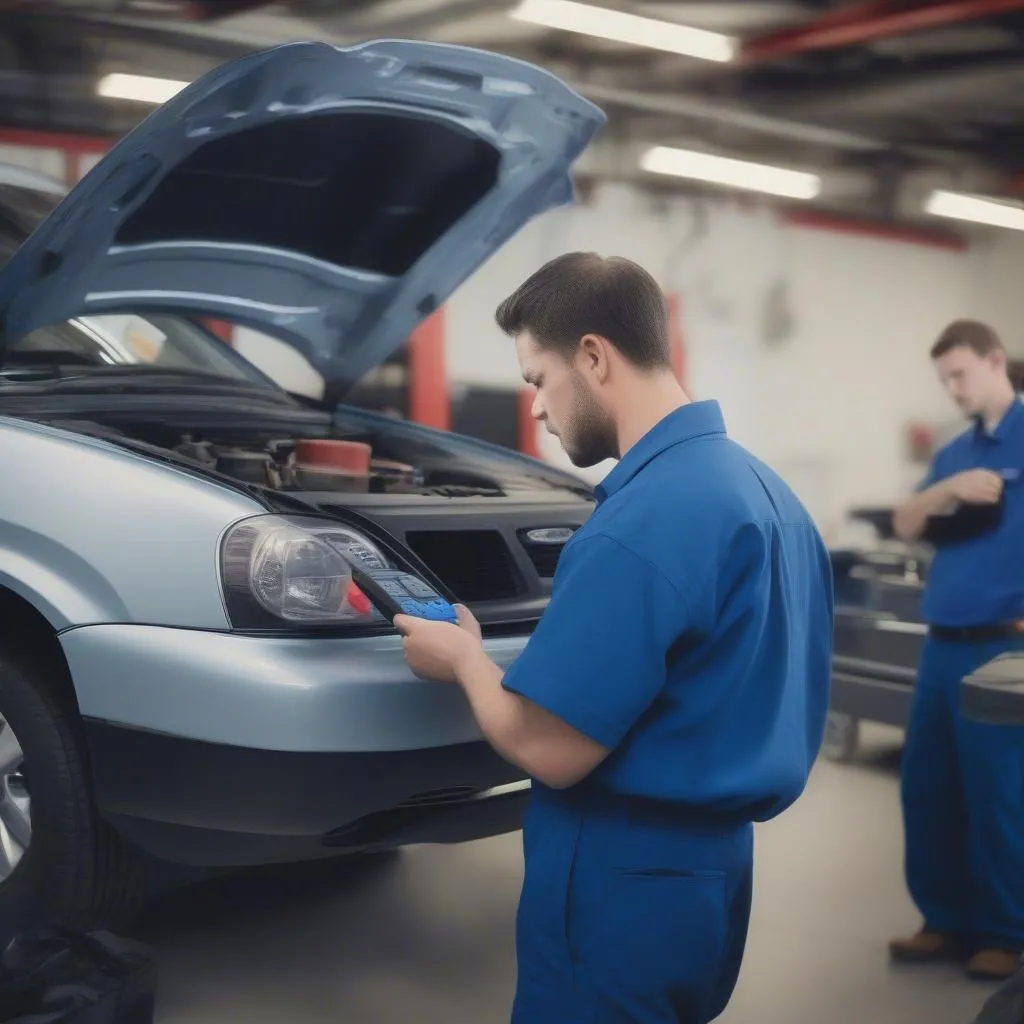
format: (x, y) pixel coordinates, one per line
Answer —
(963, 806)
(628, 917)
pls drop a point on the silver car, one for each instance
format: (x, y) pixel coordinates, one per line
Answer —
(189, 675)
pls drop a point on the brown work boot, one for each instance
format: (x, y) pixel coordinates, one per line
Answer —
(927, 945)
(993, 964)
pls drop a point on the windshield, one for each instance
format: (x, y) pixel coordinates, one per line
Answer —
(22, 210)
(98, 344)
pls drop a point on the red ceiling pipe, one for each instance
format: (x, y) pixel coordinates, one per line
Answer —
(863, 22)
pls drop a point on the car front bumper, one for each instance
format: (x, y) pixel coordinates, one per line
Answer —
(219, 750)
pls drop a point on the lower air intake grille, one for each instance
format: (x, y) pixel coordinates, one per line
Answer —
(475, 564)
(452, 795)
(544, 558)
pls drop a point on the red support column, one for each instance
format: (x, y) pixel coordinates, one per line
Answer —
(429, 401)
(529, 441)
(224, 329)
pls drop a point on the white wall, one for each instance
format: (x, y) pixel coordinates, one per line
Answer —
(997, 260)
(279, 361)
(814, 342)
(47, 160)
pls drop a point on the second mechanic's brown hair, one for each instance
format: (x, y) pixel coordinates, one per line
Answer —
(972, 334)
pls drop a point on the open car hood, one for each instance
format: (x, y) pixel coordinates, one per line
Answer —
(330, 197)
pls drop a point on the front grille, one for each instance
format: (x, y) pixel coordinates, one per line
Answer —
(544, 558)
(434, 797)
(475, 564)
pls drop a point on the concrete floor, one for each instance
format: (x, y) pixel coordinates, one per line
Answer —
(426, 935)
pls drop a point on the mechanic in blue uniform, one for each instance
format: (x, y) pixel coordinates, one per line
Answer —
(676, 688)
(963, 782)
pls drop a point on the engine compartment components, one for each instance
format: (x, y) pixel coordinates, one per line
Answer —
(329, 465)
(306, 464)
(302, 454)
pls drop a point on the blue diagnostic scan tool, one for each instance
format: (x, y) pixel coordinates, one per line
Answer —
(395, 592)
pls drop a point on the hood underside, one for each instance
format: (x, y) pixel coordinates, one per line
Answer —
(329, 197)
(347, 456)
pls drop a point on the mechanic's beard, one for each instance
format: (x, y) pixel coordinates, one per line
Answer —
(590, 436)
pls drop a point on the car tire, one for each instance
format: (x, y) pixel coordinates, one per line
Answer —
(75, 870)
(842, 737)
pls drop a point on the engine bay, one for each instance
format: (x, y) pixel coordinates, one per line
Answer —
(343, 465)
(306, 464)
(306, 451)
(218, 415)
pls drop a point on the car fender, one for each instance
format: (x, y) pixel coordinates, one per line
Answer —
(64, 588)
(92, 533)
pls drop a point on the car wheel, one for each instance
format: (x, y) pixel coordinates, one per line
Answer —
(842, 736)
(59, 861)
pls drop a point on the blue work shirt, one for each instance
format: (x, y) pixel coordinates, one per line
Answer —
(690, 627)
(979, 581)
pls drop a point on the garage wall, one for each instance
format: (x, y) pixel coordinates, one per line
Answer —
(997, 259)
(66, 157)
(46, 160)
(814, 342)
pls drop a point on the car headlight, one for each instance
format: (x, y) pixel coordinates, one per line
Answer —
(292, 572)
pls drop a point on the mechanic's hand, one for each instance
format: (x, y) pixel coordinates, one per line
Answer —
(976, 487)
(467, 620)
(435, 649)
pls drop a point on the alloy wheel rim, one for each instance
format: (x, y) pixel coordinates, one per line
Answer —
(15, 803)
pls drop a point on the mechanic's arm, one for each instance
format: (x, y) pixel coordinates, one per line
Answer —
(542, 744)
(594, 665)
(910, 519)
(522, 732)
(972, 487)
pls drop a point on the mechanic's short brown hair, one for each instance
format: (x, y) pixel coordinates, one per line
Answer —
(584, 293)
(972, 334)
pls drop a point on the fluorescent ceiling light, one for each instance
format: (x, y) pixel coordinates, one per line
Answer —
(621, 27)
(685, 163)
(138, 87)
(961, 206)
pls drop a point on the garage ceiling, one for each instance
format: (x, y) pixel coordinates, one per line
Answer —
(884, 99)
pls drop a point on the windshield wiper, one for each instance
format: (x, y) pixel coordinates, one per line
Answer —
(127, 378)
(31, 373)
(461, 491)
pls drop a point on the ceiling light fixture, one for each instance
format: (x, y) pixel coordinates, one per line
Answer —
(142, 88)
(621, 27)
(720, 170)
(979, 209)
